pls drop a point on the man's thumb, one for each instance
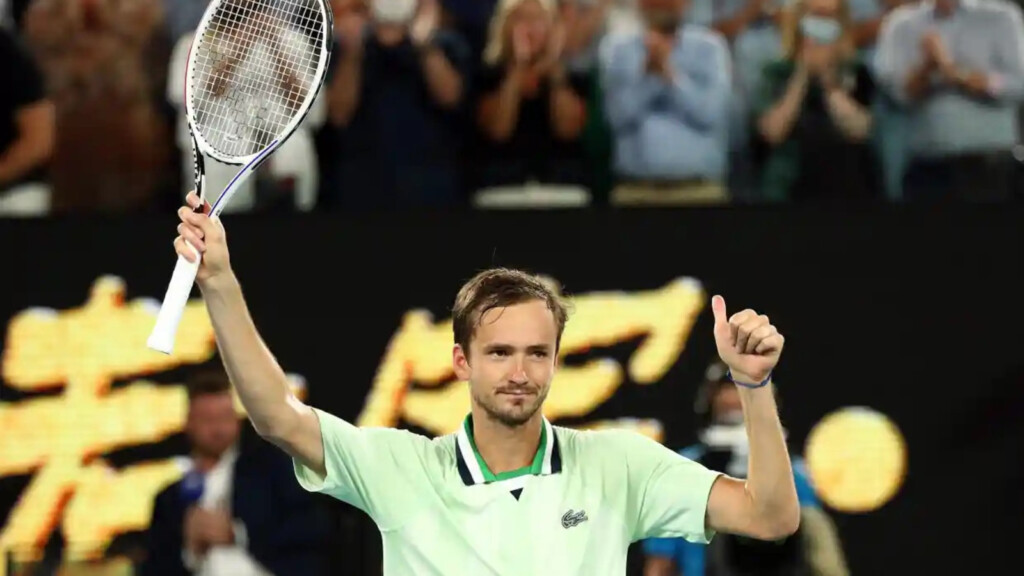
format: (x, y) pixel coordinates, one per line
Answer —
(718, 308)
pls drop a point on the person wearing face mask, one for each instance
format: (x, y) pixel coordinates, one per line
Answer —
(395, 101)
(814, 550)
(814, 111)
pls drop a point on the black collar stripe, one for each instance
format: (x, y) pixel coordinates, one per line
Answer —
(469, 468)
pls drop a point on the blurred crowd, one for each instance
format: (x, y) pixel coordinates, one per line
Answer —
(536, 103)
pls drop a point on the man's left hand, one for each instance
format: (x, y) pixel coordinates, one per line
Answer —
(747, 343)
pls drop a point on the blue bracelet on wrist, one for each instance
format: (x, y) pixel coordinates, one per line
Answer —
(728, 374)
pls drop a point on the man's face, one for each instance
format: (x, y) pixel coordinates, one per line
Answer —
(213, 425)
(511, 361)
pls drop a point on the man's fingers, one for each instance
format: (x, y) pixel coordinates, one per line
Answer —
(718, 309)
(772, 343)
(192, 199)
(738, 320)
(208, 228)
(758, 335)
(190, 217)
(193, 237)
(183, 249)
(745, 324)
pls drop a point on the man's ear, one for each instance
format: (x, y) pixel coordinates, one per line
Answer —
(460, 362)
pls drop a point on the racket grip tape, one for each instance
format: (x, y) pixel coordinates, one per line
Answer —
(183, 279)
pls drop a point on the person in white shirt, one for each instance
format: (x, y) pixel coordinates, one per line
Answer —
(236, 511)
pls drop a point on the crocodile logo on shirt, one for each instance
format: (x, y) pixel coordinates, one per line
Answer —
(573, 518)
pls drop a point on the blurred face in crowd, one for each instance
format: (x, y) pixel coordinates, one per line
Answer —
(511, 361)
(393, 12)
(945, 6)
(820, 25)
(529, 23)
(726, 407)
(213, 426)
(663, 15)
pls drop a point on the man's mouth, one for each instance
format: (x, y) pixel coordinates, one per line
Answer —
(517, 393)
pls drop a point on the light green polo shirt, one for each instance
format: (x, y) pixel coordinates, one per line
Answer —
(575, 510)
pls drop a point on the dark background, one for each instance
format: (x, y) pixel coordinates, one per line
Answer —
(913, 312)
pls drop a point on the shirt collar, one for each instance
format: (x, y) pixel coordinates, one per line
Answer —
(473, 470)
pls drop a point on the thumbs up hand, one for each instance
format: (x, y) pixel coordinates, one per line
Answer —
(747, 342)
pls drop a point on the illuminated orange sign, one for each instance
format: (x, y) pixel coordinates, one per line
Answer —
(95, 357)
(84, 351)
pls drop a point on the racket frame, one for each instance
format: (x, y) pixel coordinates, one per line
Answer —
(162, 336)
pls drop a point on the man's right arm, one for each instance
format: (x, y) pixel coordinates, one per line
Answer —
(276, 414)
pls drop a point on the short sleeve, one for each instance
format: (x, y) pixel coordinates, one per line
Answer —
(381, 471)
(24, 83)
(667, 493)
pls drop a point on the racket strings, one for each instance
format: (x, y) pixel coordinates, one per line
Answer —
(255, 65)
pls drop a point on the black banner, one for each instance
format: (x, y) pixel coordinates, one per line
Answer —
(901, 382)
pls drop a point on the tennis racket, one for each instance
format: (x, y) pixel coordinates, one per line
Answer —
(254, 69)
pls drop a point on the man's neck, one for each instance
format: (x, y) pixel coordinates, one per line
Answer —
(504, 448)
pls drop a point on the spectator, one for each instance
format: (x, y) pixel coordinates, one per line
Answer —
(26, 132)
(957, 68)
(238, 510)
(531, 109)
(867, 17)
(815, 111)
(469, 18)
(890, 126)
(814, 549)
(666, 93)
(94, 54)
(751, 29)
(395, 100)
(585, 26)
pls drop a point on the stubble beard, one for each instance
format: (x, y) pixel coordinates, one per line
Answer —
(511, 416)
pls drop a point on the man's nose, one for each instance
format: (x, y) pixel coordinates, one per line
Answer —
(518, 375)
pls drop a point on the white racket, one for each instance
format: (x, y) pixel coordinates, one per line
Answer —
(254, 69)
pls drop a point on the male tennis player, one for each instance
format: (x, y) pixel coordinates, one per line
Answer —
(509, 493)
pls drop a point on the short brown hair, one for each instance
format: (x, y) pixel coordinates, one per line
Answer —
(208, 381)
(500, 287)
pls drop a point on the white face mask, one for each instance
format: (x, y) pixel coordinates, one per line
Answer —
(730, 418)
(393, 11)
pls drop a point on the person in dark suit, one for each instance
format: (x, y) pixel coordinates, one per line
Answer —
(238, 511)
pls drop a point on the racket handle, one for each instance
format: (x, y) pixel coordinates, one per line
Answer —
(161, 338)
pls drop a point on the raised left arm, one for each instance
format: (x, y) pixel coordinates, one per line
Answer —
(765, 505)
